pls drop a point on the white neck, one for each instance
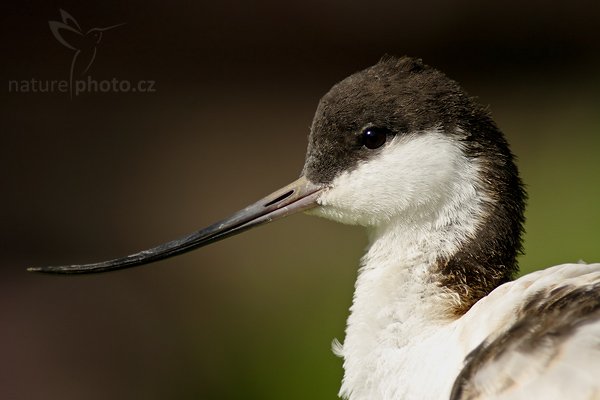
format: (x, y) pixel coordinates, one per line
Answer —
(399, 302)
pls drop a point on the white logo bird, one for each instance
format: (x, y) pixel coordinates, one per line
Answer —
(84, 44)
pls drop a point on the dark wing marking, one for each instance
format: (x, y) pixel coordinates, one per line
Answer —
(545, 322)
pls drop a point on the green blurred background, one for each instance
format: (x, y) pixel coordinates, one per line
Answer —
(105, 174)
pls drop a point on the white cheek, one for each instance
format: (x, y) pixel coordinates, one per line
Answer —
(413, 175)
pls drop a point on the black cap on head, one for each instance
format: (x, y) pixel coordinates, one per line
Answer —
(401, 95)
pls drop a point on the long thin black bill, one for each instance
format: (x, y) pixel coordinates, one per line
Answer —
(298, 196)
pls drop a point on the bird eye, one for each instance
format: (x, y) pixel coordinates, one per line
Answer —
(373, 138)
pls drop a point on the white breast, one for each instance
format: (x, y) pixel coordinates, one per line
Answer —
(420, 359)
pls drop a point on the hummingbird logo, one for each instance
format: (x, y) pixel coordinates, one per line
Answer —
(85, 45)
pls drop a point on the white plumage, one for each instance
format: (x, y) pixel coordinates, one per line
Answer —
(559, 367)
(419, 356)
(402, 339)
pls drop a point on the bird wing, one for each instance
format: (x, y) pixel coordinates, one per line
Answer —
(68, 36)
(551, 350)
(69, 20)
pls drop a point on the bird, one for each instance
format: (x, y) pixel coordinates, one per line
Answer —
(85, 45)
(437, 313)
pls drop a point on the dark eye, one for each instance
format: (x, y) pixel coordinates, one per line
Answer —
(373, 138)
